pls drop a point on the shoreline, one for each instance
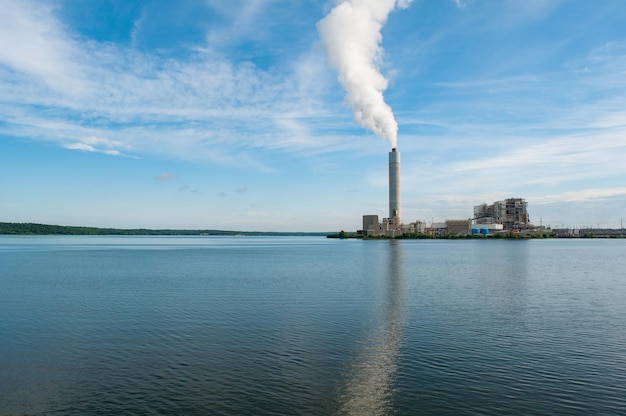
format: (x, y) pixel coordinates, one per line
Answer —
(8, 228)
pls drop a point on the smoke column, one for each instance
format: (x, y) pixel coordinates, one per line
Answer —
(351, 37)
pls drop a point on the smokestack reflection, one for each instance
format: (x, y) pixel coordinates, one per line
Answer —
(371, 384)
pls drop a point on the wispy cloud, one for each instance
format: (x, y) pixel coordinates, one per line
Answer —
(94, 144)
(166, 176)
(69, 91)
(34, 45)
(580, 196)
(187, 189)
(460, 3)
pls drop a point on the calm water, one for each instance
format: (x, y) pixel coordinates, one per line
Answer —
(310, 326)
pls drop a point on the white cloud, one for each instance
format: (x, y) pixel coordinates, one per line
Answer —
(34, 43)
(69, 92)
(95, 144)
(80, 146)
(89, 148)
(582, 195)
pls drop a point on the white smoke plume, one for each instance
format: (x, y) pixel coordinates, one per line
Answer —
(351, 37)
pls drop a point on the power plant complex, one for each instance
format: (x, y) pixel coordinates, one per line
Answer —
(507, 215)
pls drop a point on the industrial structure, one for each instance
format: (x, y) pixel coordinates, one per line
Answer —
(394, 186)
(508, 215)
(391, 226)
(512, 213)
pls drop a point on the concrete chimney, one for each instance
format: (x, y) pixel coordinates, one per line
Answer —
(394, 186)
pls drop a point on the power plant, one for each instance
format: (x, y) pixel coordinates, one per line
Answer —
(508, 215)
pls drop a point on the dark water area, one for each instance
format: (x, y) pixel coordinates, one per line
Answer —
(311, 326)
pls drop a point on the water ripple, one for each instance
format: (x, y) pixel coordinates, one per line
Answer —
(311, 327)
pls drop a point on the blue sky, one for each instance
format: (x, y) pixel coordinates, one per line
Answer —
(228, 115)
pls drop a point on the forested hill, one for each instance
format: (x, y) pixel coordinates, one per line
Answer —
(44, 229)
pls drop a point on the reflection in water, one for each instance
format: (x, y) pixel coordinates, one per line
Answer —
(370, 386)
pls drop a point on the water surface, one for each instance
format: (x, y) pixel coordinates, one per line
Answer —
(308, 325)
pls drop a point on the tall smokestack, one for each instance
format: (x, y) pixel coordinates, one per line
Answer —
(394, 185)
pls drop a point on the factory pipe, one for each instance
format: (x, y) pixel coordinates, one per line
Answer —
(394, 186)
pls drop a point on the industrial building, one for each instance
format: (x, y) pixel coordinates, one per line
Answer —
(458, 227)
(512, 214)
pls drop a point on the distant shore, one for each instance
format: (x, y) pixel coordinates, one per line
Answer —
(505, 235)
(9, 228)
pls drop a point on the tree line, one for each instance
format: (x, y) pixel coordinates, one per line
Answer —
(46, 229)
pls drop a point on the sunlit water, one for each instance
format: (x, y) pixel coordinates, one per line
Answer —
(311, 326)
